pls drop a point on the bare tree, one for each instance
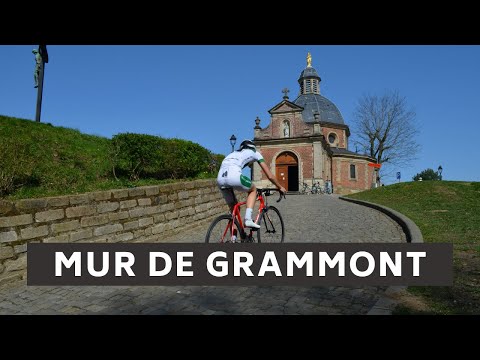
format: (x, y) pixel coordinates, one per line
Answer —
(386, 129)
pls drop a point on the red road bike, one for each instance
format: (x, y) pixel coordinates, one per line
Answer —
(229, 228)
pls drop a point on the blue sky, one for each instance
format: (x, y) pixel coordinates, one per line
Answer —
(207, 93)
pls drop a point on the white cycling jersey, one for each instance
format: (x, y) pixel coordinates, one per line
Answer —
(241, 159)
(230, 174)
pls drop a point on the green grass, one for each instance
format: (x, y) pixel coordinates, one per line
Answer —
(46, 160)
(446, 212)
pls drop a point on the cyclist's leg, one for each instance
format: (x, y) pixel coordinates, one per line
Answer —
(252, 196)
(242, 183)
(225, 187)
(229, 197)
(249, 187)
(236, 180)
(231, 200)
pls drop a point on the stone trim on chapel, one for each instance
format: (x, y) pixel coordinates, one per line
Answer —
(307, 141)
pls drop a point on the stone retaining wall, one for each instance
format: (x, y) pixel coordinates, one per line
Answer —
(140, 214)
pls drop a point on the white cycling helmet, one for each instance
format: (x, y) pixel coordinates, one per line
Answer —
(247, 144)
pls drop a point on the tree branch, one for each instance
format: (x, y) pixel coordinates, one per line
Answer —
(386, 128)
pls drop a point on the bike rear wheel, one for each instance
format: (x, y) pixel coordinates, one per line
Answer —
(220, 231)
(272, 229)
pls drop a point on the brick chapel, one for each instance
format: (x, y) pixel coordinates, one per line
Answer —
(307, 141)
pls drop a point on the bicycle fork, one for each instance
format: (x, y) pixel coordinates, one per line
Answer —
(268, 224)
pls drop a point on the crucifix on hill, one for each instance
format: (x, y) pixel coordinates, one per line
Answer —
(285, 91)
(41, 57)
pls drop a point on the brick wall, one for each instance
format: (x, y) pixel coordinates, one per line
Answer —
(342, 182)
(274, 130)
(304, 152)
(140, 214)
(341, 137)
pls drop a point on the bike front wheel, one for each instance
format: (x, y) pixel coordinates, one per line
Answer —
(220, 231)
(272, 229)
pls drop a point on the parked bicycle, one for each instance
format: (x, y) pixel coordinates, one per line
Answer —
(306, 189)
(325, 189)
(229, 228)
(314, 189)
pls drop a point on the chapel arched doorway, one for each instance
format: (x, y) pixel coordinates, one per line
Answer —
(286, 166)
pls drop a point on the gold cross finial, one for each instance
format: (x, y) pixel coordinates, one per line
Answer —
(309, 60)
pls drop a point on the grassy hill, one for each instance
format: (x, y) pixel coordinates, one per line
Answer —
(38, 159)
(445, 211)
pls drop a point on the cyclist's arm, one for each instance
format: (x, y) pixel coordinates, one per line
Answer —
(272, 177)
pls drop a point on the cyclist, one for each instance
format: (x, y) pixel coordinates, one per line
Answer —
(230, 177)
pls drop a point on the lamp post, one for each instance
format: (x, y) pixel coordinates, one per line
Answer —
(440, 169)
(233, 140)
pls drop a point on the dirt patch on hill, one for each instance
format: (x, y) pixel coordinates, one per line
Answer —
(415, 304)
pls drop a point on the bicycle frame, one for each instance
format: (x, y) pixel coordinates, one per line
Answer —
(235, 222)
(237, 215)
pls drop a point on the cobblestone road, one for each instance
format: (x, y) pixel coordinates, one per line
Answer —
(307, 219)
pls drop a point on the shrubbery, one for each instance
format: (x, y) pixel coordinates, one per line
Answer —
(146, 156)
(185, 159)
(136, 155)
(428, 174)
(38, 159)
